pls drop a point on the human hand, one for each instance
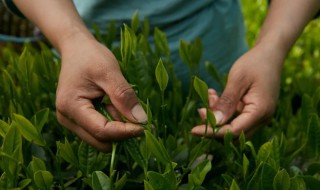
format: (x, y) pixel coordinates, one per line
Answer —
(250, 95)
(89, 71)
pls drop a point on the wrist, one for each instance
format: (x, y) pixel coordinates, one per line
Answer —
(74, 37)
(275, 44)
(272, 53)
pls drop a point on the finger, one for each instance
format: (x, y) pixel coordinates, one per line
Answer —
(85, 115)
(240, 107)
(248, 121)
(203, 113)
(228, 102)
(213, 97)
(202, 130)
(113, 112)
(123, 96)
(84, 135)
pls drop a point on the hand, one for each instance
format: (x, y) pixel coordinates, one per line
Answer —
(250, 95)
(89, 70)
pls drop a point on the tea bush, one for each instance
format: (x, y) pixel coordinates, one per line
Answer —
(37, 153)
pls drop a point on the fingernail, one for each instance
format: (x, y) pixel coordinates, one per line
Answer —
(139, 114)
(219, 116)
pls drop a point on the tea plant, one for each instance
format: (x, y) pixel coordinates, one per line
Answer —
(37, 153)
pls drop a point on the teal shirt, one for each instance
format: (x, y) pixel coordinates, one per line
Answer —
(218, 23)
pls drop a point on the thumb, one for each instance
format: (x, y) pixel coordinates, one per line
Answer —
(123, 98)
(227, 104)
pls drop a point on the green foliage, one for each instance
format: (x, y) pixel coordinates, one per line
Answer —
(162, 76)
(198, 174)
(281, 180)
(202, 89)
(37, 153)
(101, 181)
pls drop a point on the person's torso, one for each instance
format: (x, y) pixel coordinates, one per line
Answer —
(218, 23)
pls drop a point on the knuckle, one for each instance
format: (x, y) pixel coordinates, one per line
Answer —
(226, 100)
(105, 132)
(226, 104)
(123, 92)
(61, 104)
(100, 135)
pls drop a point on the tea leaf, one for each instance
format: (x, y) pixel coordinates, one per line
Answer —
(43, 180)
(228, 179)
(9, 87)
(135, 22)
(297, 183)
(147, 185)
(12, 146)
(37, 164)
(5, 181)
(253, 151)
(264, 152)
(211, 118)
(121, 182)
(214, 73)
(4, 128)
(170, 174)
(161, 43)
(87, 157)
(67, 152)
(228, 138)
(184, 52)
(198, 150)
(131, 145)
(242, 141)
(24, 183)
(112, 33)
(253, 183)
(234, 185)
(101, 181)
(158, 181)
(144, 46)
(156, 148)
(266, 177)
(12, 140)
(202, 90)
(161, 75)
(198, 174)
(275, 153)
(40, 118)
(28, 130)
(145, 27)
(245, 165)
(281, 180)
(196, 51)
(102, 161)
(128, 45)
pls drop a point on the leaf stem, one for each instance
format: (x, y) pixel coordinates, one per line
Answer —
(113, 155)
